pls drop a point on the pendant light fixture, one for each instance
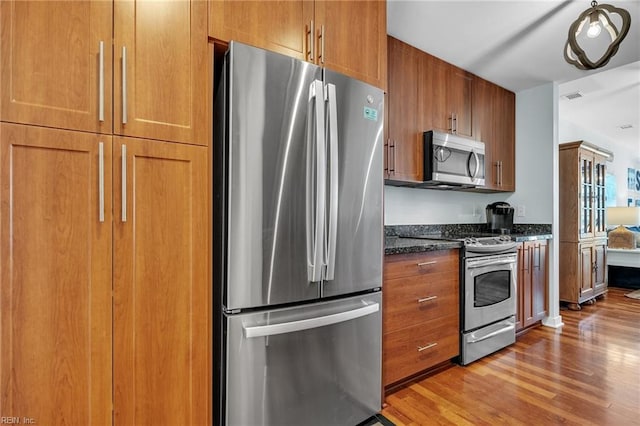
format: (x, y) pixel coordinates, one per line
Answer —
(591, 30)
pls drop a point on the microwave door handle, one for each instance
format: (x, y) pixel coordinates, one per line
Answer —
(477, 168)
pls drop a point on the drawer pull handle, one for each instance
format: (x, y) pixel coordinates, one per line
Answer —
(426, 299)
(432, 262)
(429, 346)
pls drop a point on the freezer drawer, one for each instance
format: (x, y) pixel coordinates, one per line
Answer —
(488, 339)
(319, 364)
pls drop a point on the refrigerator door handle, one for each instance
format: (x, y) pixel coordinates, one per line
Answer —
(333, 183)
(309, 323)
(315, 181)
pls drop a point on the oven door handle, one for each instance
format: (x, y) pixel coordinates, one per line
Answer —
(489, 262)
(493, 333)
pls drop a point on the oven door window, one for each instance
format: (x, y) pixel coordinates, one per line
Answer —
(491, 288)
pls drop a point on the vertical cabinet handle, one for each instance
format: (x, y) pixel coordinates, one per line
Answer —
(321, 56)
(310, 41)
(454, 123)
(101, 84)
(124, 183)
(386, 157)
(392, 166)
(124, 85)
(101, 181)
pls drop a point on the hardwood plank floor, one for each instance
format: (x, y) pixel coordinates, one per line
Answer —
(584, 373)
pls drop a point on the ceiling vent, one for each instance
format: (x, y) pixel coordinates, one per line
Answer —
(571, 96)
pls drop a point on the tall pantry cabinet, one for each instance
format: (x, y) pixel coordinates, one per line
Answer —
(104, 293)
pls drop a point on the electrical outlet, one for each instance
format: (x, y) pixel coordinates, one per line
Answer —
(520, 212)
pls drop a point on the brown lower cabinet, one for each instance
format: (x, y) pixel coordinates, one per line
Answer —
(421, 313)
(103, 304)
(533, 259)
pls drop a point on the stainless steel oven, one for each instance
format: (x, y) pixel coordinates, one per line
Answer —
(489, 289)
(488, 299)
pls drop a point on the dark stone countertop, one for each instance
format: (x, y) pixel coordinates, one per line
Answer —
(397, 245)
(403, 245)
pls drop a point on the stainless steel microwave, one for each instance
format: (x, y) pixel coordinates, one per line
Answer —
(452, 160)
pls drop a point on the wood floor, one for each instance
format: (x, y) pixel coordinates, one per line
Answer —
(585, 373)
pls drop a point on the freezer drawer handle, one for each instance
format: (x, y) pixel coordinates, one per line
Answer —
(493, 334)
(307, 324)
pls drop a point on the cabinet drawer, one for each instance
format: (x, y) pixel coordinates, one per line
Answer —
(403, 265)
(420, 298)
(413, 349)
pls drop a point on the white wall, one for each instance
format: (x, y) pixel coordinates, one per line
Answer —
(534, 154)
(409, 206)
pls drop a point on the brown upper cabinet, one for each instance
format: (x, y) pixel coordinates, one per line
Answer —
(58, 64)
(404, 146)
(494, 124)
(55, 58)
(347, 37)
(427, 93)
(449, 91)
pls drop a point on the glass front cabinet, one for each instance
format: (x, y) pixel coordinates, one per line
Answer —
(583, 232)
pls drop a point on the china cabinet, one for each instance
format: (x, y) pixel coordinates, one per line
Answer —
(582, 222)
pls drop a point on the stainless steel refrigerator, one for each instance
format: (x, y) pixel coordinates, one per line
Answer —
(298, 234)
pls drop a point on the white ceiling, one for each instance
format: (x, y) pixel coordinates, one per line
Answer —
(520, 44)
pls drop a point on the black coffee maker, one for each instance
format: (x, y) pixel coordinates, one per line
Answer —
(499, 217)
